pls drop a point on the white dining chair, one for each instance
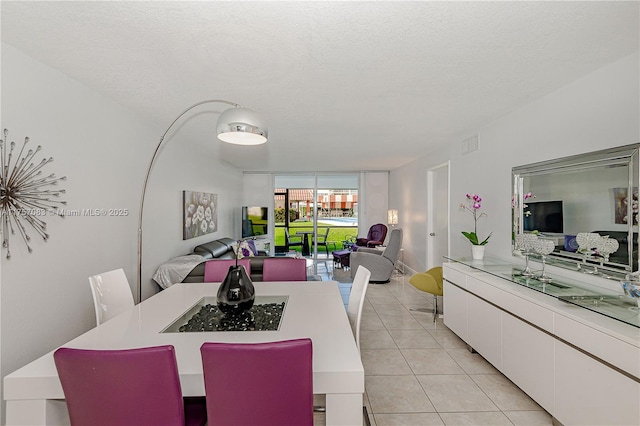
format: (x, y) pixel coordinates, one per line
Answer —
(356, 300)
(111, 294)
(354, 313)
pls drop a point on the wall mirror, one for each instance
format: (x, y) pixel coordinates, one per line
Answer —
(586, 204)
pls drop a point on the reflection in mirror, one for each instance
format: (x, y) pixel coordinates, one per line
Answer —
(586, 204)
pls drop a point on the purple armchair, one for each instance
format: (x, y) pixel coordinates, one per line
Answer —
(375, 237)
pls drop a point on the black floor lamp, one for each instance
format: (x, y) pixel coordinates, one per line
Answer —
(237, 125)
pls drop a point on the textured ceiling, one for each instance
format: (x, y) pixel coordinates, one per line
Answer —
(342, 85)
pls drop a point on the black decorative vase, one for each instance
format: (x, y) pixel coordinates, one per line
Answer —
(236, 293)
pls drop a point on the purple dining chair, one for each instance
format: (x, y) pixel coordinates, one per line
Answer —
(267, 384)
(284, 269)
(215, 270)
(126, 387)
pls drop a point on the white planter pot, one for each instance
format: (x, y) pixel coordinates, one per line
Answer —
(477, 252)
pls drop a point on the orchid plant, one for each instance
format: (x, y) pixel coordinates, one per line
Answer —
(472, 207)
(525, 211)
(525, 197)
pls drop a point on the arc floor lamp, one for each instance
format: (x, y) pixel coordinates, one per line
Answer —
(237, 125)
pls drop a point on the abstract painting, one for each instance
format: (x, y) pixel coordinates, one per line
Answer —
(200, 215)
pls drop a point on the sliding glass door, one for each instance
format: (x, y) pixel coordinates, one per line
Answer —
(315, 214)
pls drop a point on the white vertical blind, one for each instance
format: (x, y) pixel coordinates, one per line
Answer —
(338, 181)
(332, 181)
(294, 181)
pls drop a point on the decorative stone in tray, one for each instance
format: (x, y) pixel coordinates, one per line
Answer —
(258, 318)
(265, 315)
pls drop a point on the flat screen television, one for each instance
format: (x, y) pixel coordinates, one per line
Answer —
(255, 221)
(546, 216)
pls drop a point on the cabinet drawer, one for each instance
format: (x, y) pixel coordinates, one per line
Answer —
(614, 351)
(455, 310)
(456, 277)
(527, 359)
(590, 393)
(520, 307)
(485, 330)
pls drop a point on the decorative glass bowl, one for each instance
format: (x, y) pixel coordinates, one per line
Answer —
(543, 247)
(605, 246)
(587, 241)
(525, 243)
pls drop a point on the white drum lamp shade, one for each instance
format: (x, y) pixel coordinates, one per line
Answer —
(241, 126)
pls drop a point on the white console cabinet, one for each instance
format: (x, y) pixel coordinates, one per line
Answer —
(455, 305)
(580, 366)
(527, 354)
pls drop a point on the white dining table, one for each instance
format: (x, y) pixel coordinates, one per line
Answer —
(313, 309)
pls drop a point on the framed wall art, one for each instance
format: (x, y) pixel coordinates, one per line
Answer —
(621, 200)
(200, 214)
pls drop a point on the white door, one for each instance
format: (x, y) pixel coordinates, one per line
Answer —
(437, 214)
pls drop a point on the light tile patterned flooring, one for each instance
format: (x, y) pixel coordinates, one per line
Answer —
(419, 373)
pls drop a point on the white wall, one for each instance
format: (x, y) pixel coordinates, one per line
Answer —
(373, 200)
(408, 193)
(96, 144)
(598, 111)
(104, 151)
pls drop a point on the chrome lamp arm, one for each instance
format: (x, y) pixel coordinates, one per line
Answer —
(237, 125)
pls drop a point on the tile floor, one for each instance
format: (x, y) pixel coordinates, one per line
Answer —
(419, 373)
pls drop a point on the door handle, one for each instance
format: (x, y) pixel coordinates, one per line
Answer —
(432, 234)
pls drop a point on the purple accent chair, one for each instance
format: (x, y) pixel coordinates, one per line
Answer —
(126, 387)
(375, 237)
(284, 269)
(216, 270)
(267, 384)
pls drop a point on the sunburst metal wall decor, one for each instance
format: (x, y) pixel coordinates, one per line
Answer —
(23, 200)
